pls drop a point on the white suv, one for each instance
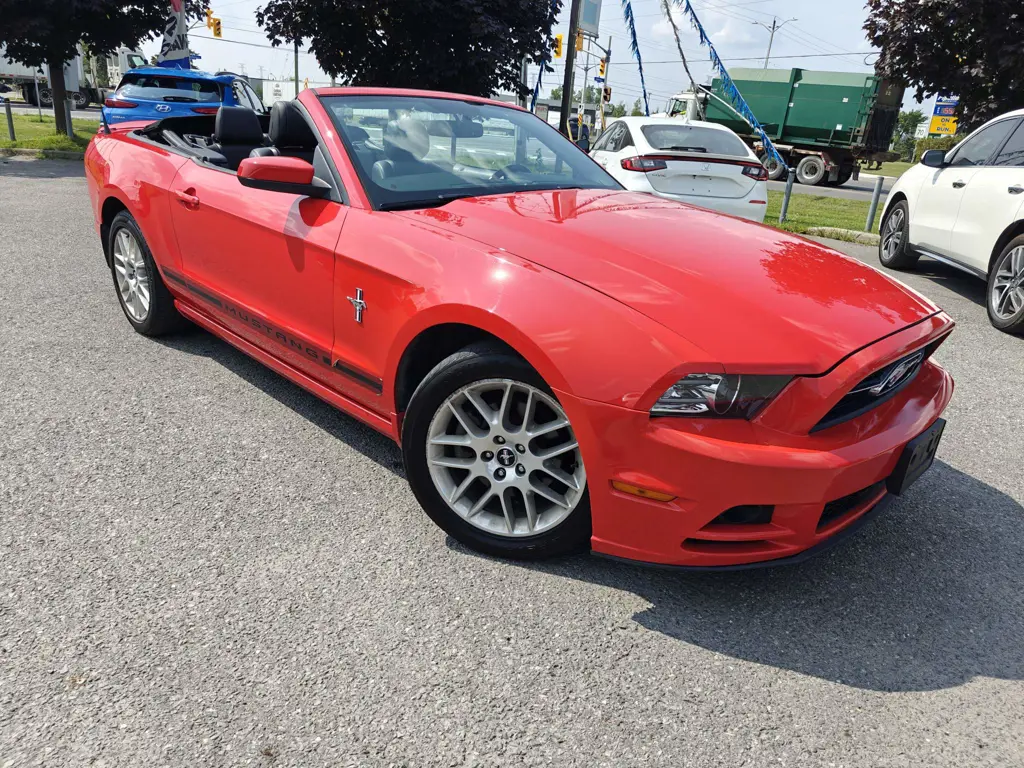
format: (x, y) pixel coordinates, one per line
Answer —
(965, 207)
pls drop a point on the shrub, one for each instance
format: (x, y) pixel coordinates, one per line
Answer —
(942, 142)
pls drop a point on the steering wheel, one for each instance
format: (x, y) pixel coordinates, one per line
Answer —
(502, 174)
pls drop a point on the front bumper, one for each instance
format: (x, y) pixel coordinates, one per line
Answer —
(817, 485)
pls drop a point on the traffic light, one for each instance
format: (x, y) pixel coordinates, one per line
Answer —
(608, 94)
(579, 41)
(558, 46)
(209, 18)
(216, 28)
(601, 68)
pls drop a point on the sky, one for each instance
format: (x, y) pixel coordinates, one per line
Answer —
(823, 35)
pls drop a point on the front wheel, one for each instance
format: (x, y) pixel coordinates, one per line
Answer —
(1006, 288)
(492, 457)
(893, 247)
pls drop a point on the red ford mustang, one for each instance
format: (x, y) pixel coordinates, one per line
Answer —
(564, 363)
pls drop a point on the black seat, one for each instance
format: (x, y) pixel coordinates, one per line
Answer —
(290, 134)
(265, 152)
(236, 133)
(406, 143)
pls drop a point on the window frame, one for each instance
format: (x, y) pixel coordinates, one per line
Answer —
(1020, 160)
(952, 156)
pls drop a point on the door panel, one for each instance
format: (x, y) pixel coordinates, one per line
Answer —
(989, 206)
(938, 203)
(262, 263)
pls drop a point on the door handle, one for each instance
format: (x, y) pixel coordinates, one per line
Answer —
(958, 184)
(1016, 189)
(186, 198)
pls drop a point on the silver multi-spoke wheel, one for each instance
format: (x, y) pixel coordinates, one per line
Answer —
(132, 275)
(1007, 295)
(892, 237)
(504, 457)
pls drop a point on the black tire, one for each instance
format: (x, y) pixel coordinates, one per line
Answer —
(898, 255)
(475, 363)
(162, 317)
(810, 170)
(1014, 323)
(45, 97)
(775, 170)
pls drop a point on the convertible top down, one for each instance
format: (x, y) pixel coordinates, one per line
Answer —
(565, 364)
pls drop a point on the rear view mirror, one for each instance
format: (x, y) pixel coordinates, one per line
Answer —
(460, 129)
(291, 175)
(934, 158)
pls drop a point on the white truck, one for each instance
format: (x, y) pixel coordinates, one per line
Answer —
(83, 83)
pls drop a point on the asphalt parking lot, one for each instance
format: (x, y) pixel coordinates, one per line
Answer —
(201, 564)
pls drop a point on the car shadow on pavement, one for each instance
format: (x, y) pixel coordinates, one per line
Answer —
(970, 287)
(927, 596)
(22, 166)
(353, 433)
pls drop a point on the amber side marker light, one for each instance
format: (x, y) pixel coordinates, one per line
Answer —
(643, 493)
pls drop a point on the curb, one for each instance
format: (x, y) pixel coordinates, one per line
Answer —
(48, 154)
(849, 235)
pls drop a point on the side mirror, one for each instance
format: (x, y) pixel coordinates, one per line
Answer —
(934, 158)
(291, 175)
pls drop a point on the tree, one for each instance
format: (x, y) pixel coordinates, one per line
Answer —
(592, 91)
(618, 110)
(468, 46)
(969, 48)
(48, 32)
(637, 110)
(903, 139)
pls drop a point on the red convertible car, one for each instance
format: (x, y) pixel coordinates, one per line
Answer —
(565, 364)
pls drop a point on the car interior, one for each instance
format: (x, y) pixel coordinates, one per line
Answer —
(238, 133)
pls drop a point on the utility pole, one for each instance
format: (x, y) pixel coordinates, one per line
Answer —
(771, 34)
(296, 51)
(524, 73)
(570, 66)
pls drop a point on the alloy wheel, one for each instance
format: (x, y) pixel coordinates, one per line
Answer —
(1007, 296)
(504, 457)
(892, 238)
(132, 275)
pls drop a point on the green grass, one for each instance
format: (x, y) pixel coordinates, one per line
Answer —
(31, 133)
(806, 211)
(896, 169)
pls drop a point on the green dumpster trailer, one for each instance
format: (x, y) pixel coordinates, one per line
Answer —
(823, 123)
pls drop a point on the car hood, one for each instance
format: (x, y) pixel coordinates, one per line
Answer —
(750, 296)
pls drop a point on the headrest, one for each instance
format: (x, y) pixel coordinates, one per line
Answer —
(288, 128)
(355, 133)
(237, 125)
(406, 139)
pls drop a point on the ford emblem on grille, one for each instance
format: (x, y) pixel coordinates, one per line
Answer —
(899, 373)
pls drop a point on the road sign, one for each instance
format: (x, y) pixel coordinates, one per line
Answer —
(590, 17)
(943, 122)
(598, 79)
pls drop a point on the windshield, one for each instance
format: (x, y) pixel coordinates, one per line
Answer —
(693, 138)
(135, 60)
(414, 152)
(164, 88)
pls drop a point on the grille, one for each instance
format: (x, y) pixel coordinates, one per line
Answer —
(847, 504)
(877, 388)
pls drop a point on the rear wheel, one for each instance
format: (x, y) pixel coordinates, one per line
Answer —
(80, 99)
(1006, 288)
(775, 169)
(45, 97)
(893, 247)
(492, 457)
(810, 170)
(144, 298)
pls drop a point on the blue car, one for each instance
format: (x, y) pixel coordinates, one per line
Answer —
(153, 93)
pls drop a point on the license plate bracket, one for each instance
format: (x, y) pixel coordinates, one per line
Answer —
(916, 458)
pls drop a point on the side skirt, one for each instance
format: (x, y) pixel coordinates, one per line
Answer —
(342, 403)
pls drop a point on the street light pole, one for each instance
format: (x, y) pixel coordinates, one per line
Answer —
(771, 34)
(570, 66)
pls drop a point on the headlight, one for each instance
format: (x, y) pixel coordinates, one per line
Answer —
(716, 395)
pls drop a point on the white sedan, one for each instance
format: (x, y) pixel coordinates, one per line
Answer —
(693, 162)
(965, 207)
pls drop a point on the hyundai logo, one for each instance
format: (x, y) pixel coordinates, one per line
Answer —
(163, 108)
(900, 372)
